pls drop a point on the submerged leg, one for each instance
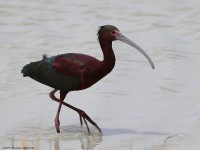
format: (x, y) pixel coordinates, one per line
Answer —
(57, 121)
(81, 113)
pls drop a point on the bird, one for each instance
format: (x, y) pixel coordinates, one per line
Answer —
(74, 71)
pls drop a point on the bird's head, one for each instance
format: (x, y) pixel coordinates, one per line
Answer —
(107, 32)
(111, 33)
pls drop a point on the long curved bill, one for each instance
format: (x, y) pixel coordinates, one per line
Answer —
(131, 43)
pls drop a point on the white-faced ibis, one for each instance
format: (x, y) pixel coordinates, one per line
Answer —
(72, 71)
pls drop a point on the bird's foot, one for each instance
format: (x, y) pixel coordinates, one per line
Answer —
(86, 118)
(57, 124)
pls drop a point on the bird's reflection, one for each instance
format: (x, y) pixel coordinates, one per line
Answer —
(88, 141)
(56, 144)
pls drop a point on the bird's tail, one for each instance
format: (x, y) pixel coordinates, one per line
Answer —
(30, 69)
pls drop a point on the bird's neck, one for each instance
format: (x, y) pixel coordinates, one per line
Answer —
(108, 54)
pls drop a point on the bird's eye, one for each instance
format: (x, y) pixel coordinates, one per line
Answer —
(113, 32)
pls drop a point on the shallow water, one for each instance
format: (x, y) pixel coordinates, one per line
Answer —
(136, 107)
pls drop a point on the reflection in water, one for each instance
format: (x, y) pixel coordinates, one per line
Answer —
(88, 142)
(56, 144)
(70, 135)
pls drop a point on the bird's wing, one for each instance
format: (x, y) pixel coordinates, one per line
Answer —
(73, 65)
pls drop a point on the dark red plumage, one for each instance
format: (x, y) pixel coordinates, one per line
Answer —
(87, 68)
(72, 71)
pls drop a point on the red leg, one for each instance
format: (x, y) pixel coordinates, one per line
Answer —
(81, 113)
(57, 121)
